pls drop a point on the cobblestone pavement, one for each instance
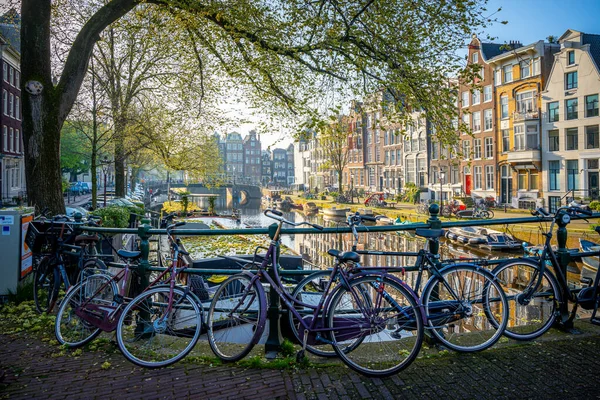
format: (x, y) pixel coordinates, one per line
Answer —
(563, 368)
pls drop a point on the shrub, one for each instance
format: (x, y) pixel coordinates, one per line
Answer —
(113, 216)
(595, 205)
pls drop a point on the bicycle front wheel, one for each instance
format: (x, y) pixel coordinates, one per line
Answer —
(151, 334)
(93, 297)
(236, 317)
(466, 308)
(389, 325)
(532, 310)
(46, 283)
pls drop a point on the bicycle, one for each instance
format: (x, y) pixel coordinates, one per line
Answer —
(364, 309)
(464, 308)
(47, 239)
(535, 293)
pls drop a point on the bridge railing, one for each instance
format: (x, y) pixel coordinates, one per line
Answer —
(145, 231)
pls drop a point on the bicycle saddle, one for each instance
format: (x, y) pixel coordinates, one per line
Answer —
(429, 233)
(129, 254)
(86, 238)
(344, 257)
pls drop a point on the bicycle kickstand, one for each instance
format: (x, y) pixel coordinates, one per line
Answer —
(301, 354)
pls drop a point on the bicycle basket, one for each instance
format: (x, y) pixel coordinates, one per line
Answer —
(42, 237)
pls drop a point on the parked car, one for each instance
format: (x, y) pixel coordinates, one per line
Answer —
(76, 189)
(72, 210)
(87, 187)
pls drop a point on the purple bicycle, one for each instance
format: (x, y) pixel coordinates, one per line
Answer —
(372, 321)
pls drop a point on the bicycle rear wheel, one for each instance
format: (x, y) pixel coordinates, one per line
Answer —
(152, 336)
(46, 283)
(389, 325)
(95, 292)
(532, 312)
(466, 308)
(236, 317)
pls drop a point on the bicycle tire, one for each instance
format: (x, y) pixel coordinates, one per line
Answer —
(528, 319)
(309, 291)
(46, 284)
(490, 213)
(446, 212)
(90, 267)
(69, 328)
(231, 337)
(476, 319)
(390, 327)
(150, 337)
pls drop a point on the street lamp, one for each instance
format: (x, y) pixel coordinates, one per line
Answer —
(442, 176)
(105, 164)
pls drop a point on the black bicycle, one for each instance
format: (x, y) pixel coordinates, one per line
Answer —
(536, 294)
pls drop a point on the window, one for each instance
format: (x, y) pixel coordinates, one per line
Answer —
(410, 171)
(482, 74)
(466, 148)
(5, 137)
(11, 75)
(17, 79)
(519, 140)
(489, 147)
(466, 118)
(553, 140)
(476, 97)
(591, 106)
(487, 93)
(507, 73)
(571, 80)
(526, 101)
(498, 77)
(505, 141)
(571, 57)
(591, 137)
(455, 178)
(477, 148)
(421, 167)
(553, 175)
(476, 121)
(11, 140)
(525, 69)
(11, 105)
(17, 141)
(592, 164)
(477, 178)
(536, 66)
(465, 99)
(533, 180)
(571, 107)
(5, 102)
(572, 175)
(5, 72)
(522, 179)
(553, 111)
(571, 139)
(487, 120)
(504, 107)
(489, 177)
(475, 58)
(434, 150)
(532, 136)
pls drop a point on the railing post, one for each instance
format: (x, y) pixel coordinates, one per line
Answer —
(145, 250)
(273, 343)
(564, 258)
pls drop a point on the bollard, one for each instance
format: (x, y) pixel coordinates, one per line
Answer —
(273, 343)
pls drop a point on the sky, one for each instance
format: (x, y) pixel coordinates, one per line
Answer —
(528, 22)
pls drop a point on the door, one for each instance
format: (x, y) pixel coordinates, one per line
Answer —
(505, 185)
(593, 184)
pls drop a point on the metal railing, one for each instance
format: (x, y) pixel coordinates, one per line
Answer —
(145, 231)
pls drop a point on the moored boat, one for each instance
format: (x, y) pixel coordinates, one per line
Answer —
(591, 262)
(335, 212)
(482, 237)
(310, 208)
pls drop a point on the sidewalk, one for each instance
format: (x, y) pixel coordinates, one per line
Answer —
(560, 366)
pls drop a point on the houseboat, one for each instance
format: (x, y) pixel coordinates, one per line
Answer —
(484, 238)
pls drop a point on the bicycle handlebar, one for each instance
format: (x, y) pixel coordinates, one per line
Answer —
(540, 212)
(278, 216)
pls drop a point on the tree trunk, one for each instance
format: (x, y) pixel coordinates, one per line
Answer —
(119, 159)
(93, 168)
(41, 122)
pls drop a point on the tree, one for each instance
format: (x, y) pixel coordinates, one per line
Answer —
(333, 139)
(74, 157)
(282, 54)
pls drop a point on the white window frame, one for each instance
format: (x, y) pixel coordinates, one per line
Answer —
(477, 121)
(476, 97)
(475, 58)
(489, 177)
(525, 65)
(5, 137)
(477, 178)
(489, 148)
(18, 108)
(488, 117)
(498, 77)
(11, 75)
(11, 105)
(503, 103)
(505, 70)
(487, 94)
(18, 141)
(477, 149)
(5, 102)
(11, 140)
(536, 67)
(465, 96)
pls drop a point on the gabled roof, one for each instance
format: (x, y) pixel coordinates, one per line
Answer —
(594, 42)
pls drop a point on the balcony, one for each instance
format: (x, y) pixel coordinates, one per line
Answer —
(524, 154)
(525, 116)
